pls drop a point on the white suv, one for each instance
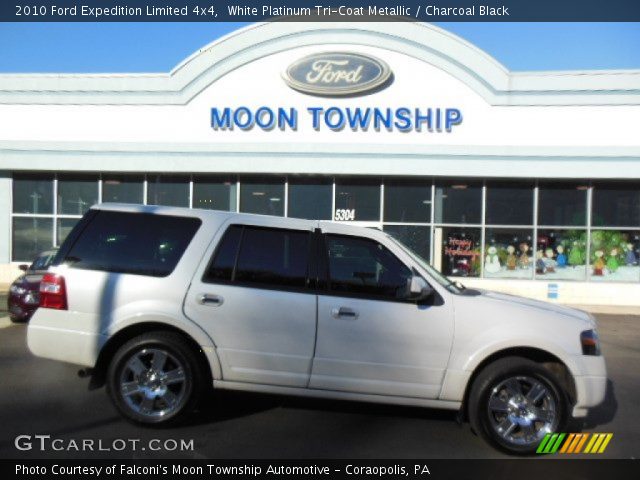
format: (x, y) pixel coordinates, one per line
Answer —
(162, 303)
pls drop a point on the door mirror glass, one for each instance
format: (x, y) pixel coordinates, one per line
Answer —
(418, 288)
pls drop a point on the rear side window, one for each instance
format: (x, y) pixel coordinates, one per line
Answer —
(136, 243)
(264, 257)
(359, 266)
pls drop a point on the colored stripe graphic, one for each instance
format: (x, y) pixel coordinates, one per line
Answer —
(574, 443)
(550, 443)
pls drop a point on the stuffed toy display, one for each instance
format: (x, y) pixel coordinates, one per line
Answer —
(541, 266)
(576, 255)
(549, 262)
(492, 262)
(630, 255)
(598, 265)
(512, 261)
(523, 260)
(612, 261)
(561, 259)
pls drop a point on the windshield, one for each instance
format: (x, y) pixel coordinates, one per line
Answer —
(453, 287)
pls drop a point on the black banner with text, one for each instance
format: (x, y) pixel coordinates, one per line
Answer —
(298, 10)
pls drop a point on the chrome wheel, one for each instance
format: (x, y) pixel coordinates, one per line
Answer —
(153, 383)
(522, 410)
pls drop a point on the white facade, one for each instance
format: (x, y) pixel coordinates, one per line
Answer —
(580, 127)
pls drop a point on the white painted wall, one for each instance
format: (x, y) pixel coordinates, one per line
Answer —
(259, 83)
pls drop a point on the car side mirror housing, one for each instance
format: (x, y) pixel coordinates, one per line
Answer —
(23, 267)
(418, 289)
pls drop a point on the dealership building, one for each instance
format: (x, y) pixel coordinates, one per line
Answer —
(524, 182)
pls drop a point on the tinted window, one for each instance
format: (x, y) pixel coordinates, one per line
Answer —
(616, 204)
(224, 260)
(76, 194)
(30, 237)
(458, 201)
(262, 195)
(509, 204)
(357, 200)
(273, 257)
(122, 189)
(407, 202)
(33, 194)
(214, 193)
(65, 225)
(170, 191)
(137, 243)
(456, 251)
(362, 266)
(310, 198)
(562, 204)
(418, 239)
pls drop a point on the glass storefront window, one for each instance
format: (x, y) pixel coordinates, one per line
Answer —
(33, 194)
(31, 236)
(357, 199)
(509, 203)
(417, 238)
(614, 256)
(310, 198)
(215, 193)
(407, 201)
(562, 204)
(615, 205)
(122, 189)
(262, 195)
(172, 191)
(64, 227)
(458, 201)
(561, 255)
(508, 253)
(76, 194)
(457, 251)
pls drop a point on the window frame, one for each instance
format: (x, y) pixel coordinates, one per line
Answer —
(76, 233)
(325, 283)
(310, 286)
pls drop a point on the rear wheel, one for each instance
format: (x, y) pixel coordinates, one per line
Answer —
(155, 379)
(514, 402)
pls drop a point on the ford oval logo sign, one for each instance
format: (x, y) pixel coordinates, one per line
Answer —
(337, 74)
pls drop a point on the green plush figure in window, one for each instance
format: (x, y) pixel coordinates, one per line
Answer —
(612, 261)
(576, 255)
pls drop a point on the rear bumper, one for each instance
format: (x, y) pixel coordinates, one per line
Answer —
(49, 336)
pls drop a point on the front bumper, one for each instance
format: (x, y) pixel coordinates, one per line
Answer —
(591, 384)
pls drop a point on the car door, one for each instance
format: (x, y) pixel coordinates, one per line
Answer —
(370, 339)
(254, 298)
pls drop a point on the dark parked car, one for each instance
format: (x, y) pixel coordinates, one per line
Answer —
(24, 294)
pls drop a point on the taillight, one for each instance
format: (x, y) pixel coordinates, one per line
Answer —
(53, 292)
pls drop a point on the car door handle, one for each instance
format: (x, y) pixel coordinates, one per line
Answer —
(344, 312)
(210, 300)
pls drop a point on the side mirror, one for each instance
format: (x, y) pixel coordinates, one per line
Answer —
(418, 289)
(23, 267)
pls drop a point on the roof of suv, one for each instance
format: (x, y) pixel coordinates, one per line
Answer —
(178, 211)
(220, 216)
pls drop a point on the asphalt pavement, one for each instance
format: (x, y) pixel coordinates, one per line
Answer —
(41, 397)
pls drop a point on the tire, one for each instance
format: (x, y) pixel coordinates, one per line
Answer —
(514, 402)
(156, 379)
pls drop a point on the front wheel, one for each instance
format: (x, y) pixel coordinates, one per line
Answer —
(514, 402)
(155, 379)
